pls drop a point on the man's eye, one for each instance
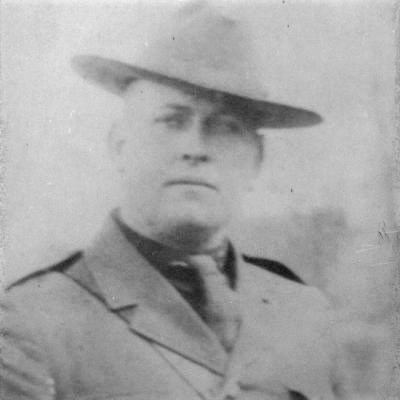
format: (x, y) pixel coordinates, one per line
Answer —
(233, 126)
(229, 126)
(173, 121)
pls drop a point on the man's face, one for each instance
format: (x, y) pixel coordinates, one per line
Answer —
(186, 160)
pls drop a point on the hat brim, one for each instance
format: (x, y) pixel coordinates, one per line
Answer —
(114, 76)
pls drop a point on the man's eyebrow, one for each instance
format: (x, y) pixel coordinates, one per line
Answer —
(179, 107)
(226, 112)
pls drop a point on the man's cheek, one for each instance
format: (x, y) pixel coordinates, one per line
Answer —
(238, 178)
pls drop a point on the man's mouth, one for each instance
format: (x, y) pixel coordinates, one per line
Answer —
(191, 182)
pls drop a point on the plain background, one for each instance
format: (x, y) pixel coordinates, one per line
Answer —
(323, 204)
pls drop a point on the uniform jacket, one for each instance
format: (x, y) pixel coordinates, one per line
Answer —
(107, 325)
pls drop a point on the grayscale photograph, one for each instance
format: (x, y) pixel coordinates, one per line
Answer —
(199, 200)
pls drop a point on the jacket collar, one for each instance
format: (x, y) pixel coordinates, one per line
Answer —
(152, 307)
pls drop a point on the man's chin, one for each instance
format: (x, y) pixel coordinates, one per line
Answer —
(189, 219)
(190, 235)
(194, 220)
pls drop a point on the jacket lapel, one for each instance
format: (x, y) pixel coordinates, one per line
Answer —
(151, 306)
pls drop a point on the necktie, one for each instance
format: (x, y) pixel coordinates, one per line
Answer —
(221, 309)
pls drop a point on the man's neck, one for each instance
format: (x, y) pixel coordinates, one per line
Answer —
(188, 238)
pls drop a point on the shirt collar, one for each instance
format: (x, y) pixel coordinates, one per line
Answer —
(161, 256)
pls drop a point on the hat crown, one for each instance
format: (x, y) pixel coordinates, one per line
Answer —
(202, 36)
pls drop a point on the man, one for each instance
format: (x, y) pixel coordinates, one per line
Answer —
(162, 305)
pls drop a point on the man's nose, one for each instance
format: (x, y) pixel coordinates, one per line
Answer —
(192, 146)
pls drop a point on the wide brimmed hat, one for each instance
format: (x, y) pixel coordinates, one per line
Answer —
(203, 49)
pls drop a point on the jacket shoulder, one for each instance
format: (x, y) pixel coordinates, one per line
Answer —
(44, 300)
(267, 281)
(39, 299)
(42, 273)
(273, 266)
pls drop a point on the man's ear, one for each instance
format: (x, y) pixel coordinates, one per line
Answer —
(115, 144)
(258, 162)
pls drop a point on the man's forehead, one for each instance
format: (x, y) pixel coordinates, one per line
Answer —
(154, 96)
